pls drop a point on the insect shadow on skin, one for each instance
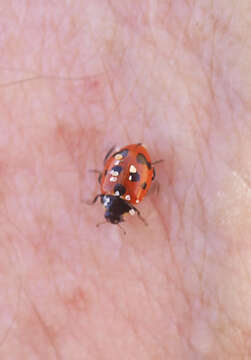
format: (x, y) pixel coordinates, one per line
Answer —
(125, 180)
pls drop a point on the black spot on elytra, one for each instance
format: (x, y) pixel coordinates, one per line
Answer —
(144, 185)
(134, 177)
(141, 159)
(105, 172)
(120, 188)
(117, 168)
(124, 153)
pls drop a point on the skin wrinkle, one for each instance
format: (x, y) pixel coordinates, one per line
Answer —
(132, 325)
(178, 273)
(230, 324)
(134, 331)
(229, 102)
(225, 348)
(44, 327)
(242, 262)
(70, 307)
(129, 321)
(189, 20)
(203, 218)
(203, 255)
(212, 71)
(8, 331)
(147, 288)
(199, 152)
(112, 302)
(137, 253)
(54, 33)
(144, 284)
(180, 208)
(126, 316)
(117, 106)
(203, 135)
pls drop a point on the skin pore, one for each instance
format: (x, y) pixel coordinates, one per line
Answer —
(76, 78)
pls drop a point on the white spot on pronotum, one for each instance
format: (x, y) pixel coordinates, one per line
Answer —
(132, 169)
(130, 177)
(137, 201)
(113, 179)
(117, 162)
(128, 197)
(132, 212)
(106, 201)
(117, 193)
(114, 173)
(118, 157)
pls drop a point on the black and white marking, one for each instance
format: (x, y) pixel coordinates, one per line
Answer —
(119, 190)
(106, 201)
(116, 170)
(121, 154)
(134, 177)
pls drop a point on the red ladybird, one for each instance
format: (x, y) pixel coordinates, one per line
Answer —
(126, 179)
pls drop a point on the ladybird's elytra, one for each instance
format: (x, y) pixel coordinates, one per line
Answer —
(125, 180)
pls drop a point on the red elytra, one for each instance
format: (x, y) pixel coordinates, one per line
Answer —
(125, 180)
(128, 173)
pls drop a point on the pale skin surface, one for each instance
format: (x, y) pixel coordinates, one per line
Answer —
(176, 76)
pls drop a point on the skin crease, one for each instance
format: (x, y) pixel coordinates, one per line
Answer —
(76, 78)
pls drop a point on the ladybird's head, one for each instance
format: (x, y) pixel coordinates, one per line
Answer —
(116, 207)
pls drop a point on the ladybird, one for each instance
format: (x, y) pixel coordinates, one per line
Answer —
(124, 182)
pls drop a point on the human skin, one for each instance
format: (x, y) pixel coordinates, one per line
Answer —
(76, 78)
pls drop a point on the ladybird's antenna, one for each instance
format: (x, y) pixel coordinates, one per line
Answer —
(142, 219)
(109, 153)
(139, 215)
(95, 171)
(105, 222)
(124, 232)
(101, 223)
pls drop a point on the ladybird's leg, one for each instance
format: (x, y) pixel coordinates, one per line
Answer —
(91, 202)
(96, 198)
(101, 223)
(154, 163)
(139, 215)
(97, 172)
(154, 174)
(155, 186)
(157, 162)
(121, 228)
(109, 153)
